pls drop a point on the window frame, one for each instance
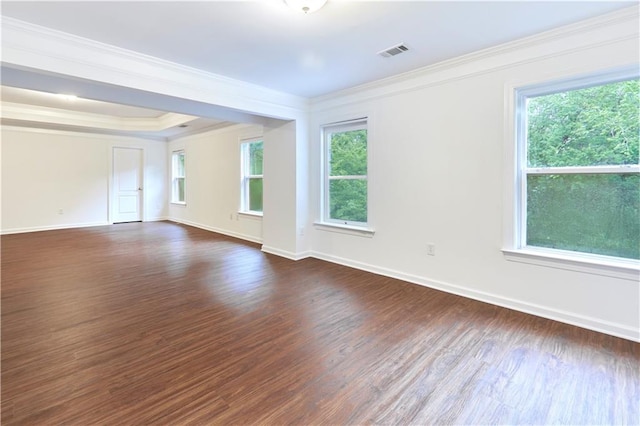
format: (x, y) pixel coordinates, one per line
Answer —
(175, 177)
(326, 222)
(517, 171)
(246, 176)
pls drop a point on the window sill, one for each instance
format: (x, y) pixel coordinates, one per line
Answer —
(344, 229)
(579, 262)
(179, 203)
(252, 215)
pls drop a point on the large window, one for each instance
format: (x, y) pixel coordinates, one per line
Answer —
(252, 181)
(178, 177)
(579, 174)
(345, 173)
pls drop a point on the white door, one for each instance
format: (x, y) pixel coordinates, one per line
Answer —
(127, 185)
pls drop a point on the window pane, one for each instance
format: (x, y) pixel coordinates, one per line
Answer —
(348, 200)
(255, 158)
(180, 189)
(586, 127)
(180, 164)
(348, 153)
(255, 194)
(597, 213)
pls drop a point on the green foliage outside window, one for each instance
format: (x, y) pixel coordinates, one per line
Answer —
(256, 152)
(178, 177)
(593, 213)
(255, 194)
(348, 157)
(254, 180)
(180, 190)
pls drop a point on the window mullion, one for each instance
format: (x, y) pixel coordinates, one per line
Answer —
(348, 177)
(623, 169)
(581, 203)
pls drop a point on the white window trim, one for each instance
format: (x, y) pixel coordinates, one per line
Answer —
(514, 214)
(358, 231)
(245, 176)
(174, 177)
(326, 223)
(251, 215)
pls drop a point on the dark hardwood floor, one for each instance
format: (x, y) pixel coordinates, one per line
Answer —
(159, 323)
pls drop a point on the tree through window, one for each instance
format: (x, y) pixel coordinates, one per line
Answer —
(581, 176)
(346, 182)
(252, 177)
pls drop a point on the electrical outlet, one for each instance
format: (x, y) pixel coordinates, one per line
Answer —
(230, 216)
(60, 211)
(431, 249)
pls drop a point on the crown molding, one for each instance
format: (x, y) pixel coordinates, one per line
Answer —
(217, 130)
(9, 125)
(40, 114)
(618, 26)
(207, 131)
(26, 45)
(36, 47)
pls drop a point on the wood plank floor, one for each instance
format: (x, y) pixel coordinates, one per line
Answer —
(159, 323)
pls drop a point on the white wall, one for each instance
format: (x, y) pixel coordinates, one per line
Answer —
(44, 171)
(437, 176)
(212, 164)
(437, 172)
(213, 185)
(286, 193)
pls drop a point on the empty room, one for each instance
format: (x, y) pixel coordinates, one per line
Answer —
(320, 212)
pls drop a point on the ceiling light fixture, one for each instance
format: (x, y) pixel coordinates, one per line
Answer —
(305, 6)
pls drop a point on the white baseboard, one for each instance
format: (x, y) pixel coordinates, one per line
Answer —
(217, 230)
(590, 323)
(51, 227)
(156, 219)
(285, 253)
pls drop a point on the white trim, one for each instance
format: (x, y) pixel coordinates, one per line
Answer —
(626, 269)
(31, 46)
(590, 323)
(83, 133)
(226, 232)
(157, 219)
(348, 177)
(52, 227)
(516, 171)
(41, 114)
(251, 215)
(345, 229)
(173, 197)
(604, 30)
(286, 254)
(111, 190)
(245, 174)
(327, 129)
(578, 81)
(181, 140)
(622, 169)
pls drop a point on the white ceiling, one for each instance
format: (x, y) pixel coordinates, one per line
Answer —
(52, 100)
(265, 43)
(23, 107)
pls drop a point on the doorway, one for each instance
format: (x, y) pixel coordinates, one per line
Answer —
(127, 185)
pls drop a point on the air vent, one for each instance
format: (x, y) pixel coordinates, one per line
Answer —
(393, 50)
